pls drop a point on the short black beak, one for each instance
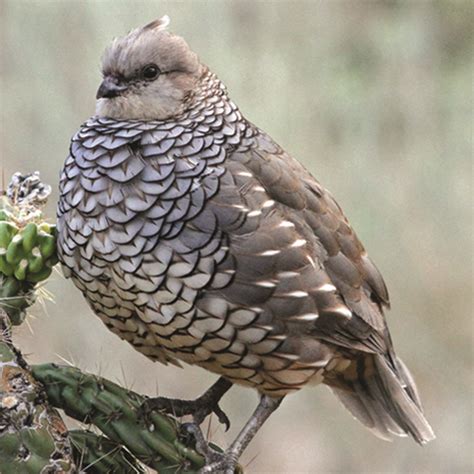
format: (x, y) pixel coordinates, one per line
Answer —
(109, 88)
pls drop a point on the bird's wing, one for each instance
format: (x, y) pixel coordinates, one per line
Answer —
(296, 256)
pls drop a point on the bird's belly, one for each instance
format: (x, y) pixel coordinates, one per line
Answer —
(163, 310)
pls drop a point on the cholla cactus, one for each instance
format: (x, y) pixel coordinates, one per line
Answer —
(154, 439)
(27, 243)
(33, 437)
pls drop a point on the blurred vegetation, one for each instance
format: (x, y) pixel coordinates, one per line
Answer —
(375, 98)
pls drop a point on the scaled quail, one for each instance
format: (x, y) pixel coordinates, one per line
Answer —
(198, 239)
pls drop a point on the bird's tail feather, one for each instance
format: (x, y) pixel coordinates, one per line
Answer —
(383, 396)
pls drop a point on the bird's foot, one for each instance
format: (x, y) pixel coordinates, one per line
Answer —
(199, 409)
(216, 462)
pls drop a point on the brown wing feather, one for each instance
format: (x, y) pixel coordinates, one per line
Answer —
(338, 257)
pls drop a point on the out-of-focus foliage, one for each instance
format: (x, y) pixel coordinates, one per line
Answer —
(375, 98)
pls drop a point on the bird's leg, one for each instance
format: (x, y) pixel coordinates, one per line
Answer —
(226, 462)
(200, 408)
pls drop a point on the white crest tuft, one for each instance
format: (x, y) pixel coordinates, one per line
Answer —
(165, 21)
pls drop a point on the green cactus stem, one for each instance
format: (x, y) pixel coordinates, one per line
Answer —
(155, 441)
(27, 244)
(98, 454)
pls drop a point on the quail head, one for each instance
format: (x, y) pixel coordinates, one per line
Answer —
(198, 239)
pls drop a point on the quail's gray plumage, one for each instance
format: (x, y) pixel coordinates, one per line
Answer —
(196, 238)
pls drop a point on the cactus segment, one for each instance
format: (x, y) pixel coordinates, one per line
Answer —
(29, 233)
(27, 253)
(153, 440)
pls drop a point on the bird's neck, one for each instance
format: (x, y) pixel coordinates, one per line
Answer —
(211, 100)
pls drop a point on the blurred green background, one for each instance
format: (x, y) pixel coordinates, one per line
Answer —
(375, 98)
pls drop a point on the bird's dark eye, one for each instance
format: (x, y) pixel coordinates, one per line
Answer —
(150, 72)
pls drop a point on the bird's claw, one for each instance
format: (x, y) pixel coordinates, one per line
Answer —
(225, 463)
(221, 416)
(199, 409)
